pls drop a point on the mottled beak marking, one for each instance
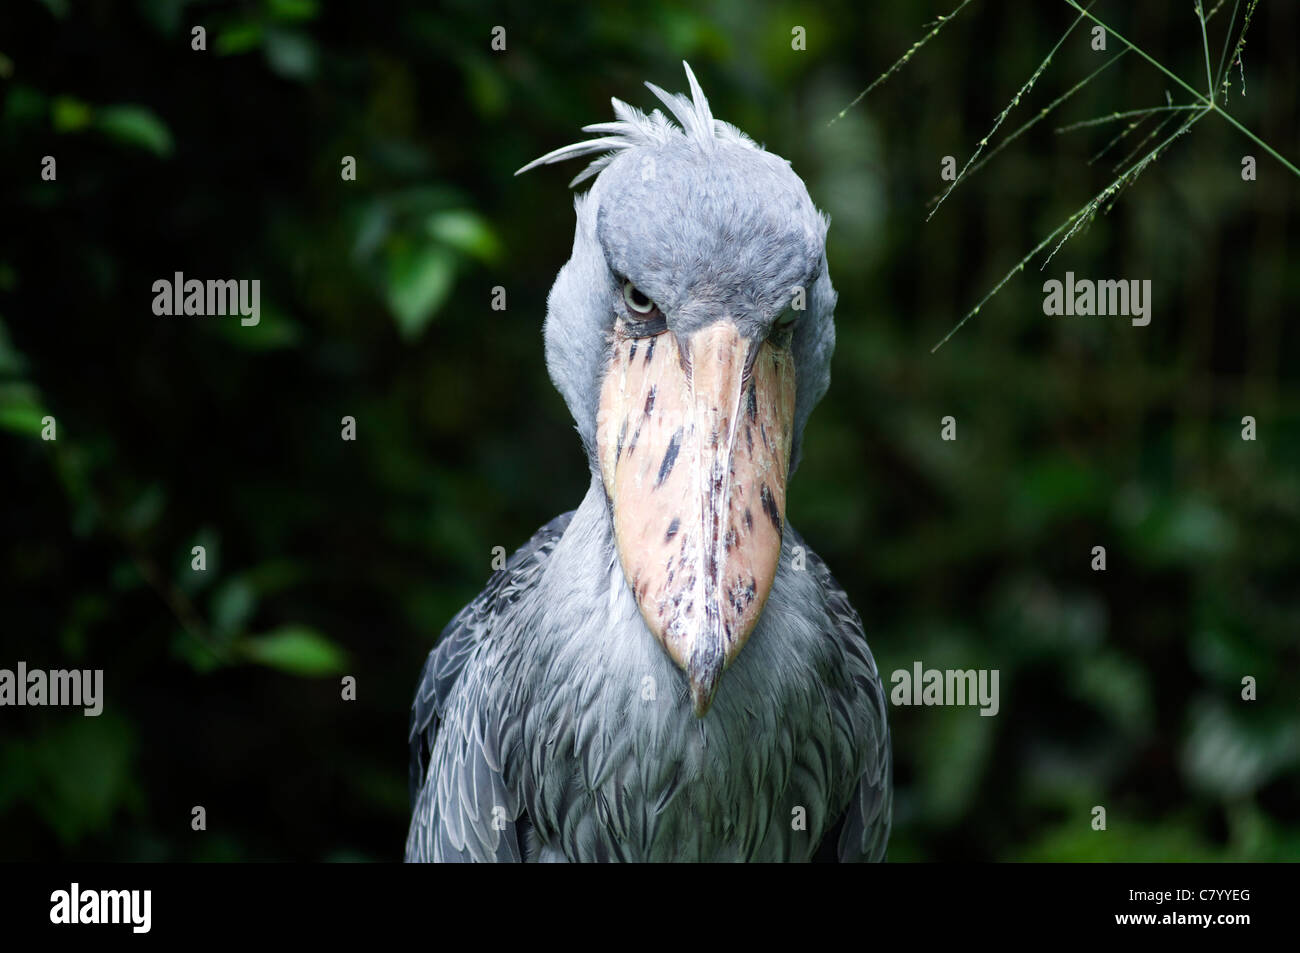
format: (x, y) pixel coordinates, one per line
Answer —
(694, 443)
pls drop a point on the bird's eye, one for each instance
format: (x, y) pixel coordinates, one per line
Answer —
(636, 299)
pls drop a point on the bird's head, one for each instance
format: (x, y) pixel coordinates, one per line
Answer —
(690, 334)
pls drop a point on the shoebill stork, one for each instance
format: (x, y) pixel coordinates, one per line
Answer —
(668, 672)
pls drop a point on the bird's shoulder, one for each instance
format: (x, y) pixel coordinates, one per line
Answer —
(467, 630)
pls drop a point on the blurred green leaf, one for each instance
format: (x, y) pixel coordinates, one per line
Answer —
(290, 53)
(24, 420)
(419, 280)
(145, 510)
(233, 603)
(467, 232)
(78, 802)
(296, 649)
(1117, 687)
(293, 9)
(135, 126)
(274, 331)
(1177, 529)
(238, 38)
(1230, 755)
(20, 407)
(69, 114)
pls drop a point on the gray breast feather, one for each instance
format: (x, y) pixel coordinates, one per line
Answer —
(532, 737)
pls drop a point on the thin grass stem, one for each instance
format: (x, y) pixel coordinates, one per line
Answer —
(1145, 139)
(1205, 45)
(1236, 53)
(1102, 120)
(1126, 178)
(1015, 101)
(1257, 140)
(1073, 220)
(1141, 52)
(902, 60)
(1227, 40)
(1121, 135)
(1203, 104)
(1042, 114)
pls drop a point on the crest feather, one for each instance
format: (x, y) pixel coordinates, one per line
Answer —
(633, 128)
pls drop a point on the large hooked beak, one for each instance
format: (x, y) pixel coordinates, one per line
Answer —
(694, 448)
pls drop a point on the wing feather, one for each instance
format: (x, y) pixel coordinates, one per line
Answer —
(457, 777)
(864, 829)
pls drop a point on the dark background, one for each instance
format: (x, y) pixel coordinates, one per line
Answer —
(327, 558)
